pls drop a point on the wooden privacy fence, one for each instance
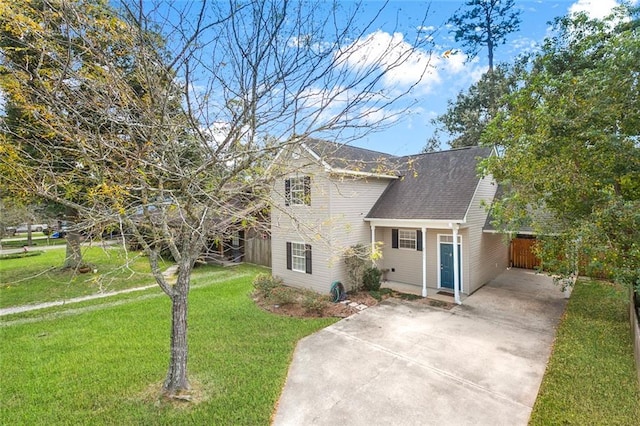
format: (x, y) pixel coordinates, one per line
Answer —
(257, 250)
(521, 253)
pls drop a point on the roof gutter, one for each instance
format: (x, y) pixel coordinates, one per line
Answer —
(360, 174)
(416, 223)
(329, 169)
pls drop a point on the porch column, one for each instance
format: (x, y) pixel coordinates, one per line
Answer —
(373, 243)
(456, 266)
(424, 262)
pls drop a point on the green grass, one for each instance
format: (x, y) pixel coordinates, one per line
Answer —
(39, 279)
(591, 377)
(101, 366)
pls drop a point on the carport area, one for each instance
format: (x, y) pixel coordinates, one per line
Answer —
(480, 363)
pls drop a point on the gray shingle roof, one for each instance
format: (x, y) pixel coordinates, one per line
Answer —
(346, 157)
(434, 186)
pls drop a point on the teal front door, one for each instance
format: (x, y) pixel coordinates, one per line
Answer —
(446, 265)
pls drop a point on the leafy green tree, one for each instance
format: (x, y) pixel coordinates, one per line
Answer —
(571, 160)
(485, 23)
(161, 120)
(31, 139)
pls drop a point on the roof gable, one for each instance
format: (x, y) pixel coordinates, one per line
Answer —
(434, 186)
(345, 158)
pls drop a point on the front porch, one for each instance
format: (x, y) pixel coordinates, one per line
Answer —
(432, 293)
(418, 257)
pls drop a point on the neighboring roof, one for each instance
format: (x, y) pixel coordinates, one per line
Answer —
(435, 186)
(342, 157)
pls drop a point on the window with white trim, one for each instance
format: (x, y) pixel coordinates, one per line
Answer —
(299, 257)
(298, 191)
(406, 239)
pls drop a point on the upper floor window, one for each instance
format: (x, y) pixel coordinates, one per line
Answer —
(297, 191)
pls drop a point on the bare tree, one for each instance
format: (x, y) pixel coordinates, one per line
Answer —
(162, 118)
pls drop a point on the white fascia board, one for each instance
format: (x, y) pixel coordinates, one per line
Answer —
(327, 167)
(414, 223)
(324, 164)
(362, 174)
(473, 197)
(475, 191)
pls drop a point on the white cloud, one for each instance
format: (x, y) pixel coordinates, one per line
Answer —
(595, 9)
(524, 44)
(402, 64)
(217, 132)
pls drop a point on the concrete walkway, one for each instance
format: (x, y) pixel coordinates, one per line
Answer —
(404, 363)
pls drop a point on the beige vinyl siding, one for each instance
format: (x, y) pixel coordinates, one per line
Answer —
(333, 222)
(495, 257)
(303, 224)
(487, 257)
(351, 199)
(406, 263)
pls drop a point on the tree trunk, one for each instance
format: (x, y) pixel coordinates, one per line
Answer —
(73, 258)
(29, 234)
(176, 382)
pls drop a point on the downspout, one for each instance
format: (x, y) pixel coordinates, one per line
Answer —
(424, 262)
(456, 266)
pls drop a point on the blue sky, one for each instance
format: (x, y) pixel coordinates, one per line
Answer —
(448, 76)
(407, 133)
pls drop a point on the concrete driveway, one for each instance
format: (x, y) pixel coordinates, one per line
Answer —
(403, 363)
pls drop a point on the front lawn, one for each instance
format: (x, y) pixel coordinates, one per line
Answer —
(38, 279)
(591, 377)
(104, 366)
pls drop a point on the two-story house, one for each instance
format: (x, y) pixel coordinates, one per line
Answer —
(416, 209)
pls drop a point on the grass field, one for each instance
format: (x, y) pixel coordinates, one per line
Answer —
(39, 278)
(591, 377)
(103, 363)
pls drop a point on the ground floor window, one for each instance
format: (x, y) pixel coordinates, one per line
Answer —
(299, 257)
(407, 239)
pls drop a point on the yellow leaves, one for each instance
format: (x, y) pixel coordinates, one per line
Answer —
(16, 19)
(111, 194)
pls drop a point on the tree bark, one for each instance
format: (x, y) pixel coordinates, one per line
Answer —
(73, 257)
(29, 234)
(177, 381)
